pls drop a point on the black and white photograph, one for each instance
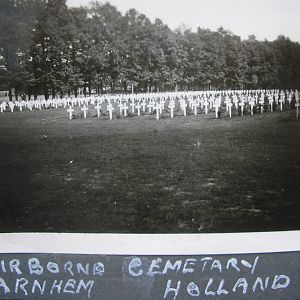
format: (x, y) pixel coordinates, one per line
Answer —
(149, 116)
(149, 150)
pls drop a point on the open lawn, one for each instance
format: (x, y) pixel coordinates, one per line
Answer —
(140, 175)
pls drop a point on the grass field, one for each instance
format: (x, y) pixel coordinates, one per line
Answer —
(188, 174)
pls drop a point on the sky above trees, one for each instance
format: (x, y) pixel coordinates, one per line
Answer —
(266, 19)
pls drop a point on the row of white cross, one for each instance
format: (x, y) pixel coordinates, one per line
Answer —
(156, 102)
(158, 105)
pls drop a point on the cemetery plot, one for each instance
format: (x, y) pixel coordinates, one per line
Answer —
(139, 174)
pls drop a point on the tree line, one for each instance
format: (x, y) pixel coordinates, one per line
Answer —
(49, 48)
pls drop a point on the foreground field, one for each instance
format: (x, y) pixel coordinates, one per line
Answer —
(140, 175)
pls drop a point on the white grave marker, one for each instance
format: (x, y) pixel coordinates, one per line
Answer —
(281, 100)
(125, 107)
(172, 106)
(157, 108)
(70, 111)
(206, 105)
(229, 104)
(84, 109)
(132, 106)
(11, 106)
(138, 107)
(98, 107)
(183, 107)
(216, 106)
(271, 104)
(297, 109)
(241, 104)
(252, 103)
(110, 109)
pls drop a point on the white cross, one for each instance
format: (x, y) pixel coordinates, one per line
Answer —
(172, 106)
(297, 112)
(120, 105)
(157, 108)
(144, 105)
(84, 109)
(125, 107)
(211, 102)
(262, 102)
(229, 105)
(195, 107)
(251, 106)
(236, 104)
(241, 104)
(132, 107)
(216, 106)
(11, 106)
(138, 107)
(271, 104)
(110, 109)
(98, 107)
(70, 111)
(206, 106)
(281, 102)
(183, 107)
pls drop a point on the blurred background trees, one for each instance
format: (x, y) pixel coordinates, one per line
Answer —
(48, 48)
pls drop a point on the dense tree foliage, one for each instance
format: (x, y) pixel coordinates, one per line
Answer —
(51, 49)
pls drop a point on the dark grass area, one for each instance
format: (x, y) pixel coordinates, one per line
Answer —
(139, 175)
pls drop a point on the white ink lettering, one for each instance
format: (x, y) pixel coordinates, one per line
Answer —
(98, 269)
(14, 266)
(4, 286)
(70, 284)
(68, 267)
(135, 263)
(216, 265)
(170, 289)
(154, 264)
(267, 282)
(193, 289)
(88, 285)
(257, 282)
(277, 285)
(56, 286)
(205, 259)
(36, 284)
(20, 284)
(35, 266)
(254, 264)
(188, 262)
(81, 269)
(232, 262)
(242, 282)
(3, 266)
(220, 290)
(176, 266)
(207, 292)
(52, 267)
